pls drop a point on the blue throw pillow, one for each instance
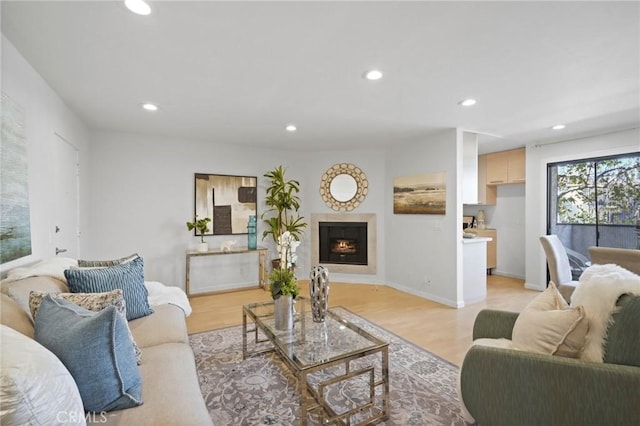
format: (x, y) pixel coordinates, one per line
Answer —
(127, 276)
(96, 349)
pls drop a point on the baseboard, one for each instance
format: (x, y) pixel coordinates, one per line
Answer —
(354, 279)
(506, 274)
(427, 295)
(536, 287)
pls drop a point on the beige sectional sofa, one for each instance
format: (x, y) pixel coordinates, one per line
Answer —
(170, 389)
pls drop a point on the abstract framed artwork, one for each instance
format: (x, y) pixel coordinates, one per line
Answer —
(227, 200)
(420, 194)
(15, 219)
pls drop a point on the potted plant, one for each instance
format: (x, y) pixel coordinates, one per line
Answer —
(283, 222)
(202, 226)
(284, 288)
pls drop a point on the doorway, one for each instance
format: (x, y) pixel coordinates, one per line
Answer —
(66, 185)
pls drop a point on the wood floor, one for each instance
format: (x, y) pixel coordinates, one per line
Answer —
(440, 329)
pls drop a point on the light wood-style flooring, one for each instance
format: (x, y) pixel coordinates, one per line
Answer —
(440, 329)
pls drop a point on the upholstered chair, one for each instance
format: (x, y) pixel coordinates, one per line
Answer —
(559, 266)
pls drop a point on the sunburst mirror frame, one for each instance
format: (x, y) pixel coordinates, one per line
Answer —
(362, 186)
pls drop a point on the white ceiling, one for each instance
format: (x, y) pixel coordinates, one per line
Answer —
(238, 72)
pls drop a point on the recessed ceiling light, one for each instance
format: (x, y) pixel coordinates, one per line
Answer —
(373, 75)
(149, 106)
(291, 128)
(558, 127)
(467, 102)
(139, 7)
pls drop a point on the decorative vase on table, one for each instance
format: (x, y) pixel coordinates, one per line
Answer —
(284, 312)
(319, 292)
(203, 247)
(252, 238)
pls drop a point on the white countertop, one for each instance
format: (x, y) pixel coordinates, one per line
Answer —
(476, 240)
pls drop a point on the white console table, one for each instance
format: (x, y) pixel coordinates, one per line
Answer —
(262, 263)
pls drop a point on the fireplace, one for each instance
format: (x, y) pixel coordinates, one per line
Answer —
(343, 242)
(349, 243)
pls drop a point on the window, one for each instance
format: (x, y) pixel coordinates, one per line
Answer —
(594, 202)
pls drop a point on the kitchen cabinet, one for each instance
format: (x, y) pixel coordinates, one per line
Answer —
(487, 194)
(516, 166)
(497, 166)
(506, 167)
(492, 246)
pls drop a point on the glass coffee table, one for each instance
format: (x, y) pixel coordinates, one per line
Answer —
(342, 371)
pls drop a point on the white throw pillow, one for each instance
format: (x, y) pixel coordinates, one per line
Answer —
(549, 326)
(36, 389)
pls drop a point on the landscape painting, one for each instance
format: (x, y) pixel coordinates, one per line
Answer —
(15, 222)
(420, 194)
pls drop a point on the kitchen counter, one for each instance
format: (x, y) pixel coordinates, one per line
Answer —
(474, 271)
(476, 240)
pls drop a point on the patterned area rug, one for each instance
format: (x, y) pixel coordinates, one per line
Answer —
(262, 391)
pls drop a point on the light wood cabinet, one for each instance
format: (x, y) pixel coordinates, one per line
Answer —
(487, 194)
(492, 246)
(506, 167)
(497, 166)
(516, 167)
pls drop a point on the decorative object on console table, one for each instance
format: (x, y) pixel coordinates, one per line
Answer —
(201, 226)
(319, 292)
(252, 241)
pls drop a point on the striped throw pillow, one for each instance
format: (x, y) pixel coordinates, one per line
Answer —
(105, 263)
(129, 277)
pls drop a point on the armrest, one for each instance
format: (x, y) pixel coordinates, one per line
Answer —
(508, 387)
(494, 324)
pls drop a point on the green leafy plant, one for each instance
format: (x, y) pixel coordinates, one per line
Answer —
(283, 204)
(202, 225)
(283, 283)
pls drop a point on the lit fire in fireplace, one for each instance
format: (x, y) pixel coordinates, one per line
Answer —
(343, 246)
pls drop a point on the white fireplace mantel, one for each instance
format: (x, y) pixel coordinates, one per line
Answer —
(372, 242)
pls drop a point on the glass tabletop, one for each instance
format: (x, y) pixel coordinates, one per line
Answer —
(310, 344)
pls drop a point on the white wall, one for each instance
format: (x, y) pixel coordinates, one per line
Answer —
(45, 115)
(536, 197)
(423, 251)
(142, 195)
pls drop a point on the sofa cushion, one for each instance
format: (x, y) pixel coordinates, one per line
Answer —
(92, 301)
(623, 340)
(105, 263)
(171, 390)
(548, 326)
(129, 277)
(37, 389)
(165, 325)
(96, 349)
(15, 317)
(19, 290)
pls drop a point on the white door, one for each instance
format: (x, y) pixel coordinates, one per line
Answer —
(67, 201)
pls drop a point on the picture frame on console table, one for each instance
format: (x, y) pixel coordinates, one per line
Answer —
(228, 200)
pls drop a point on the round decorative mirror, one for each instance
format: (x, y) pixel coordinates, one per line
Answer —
(343, 187)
